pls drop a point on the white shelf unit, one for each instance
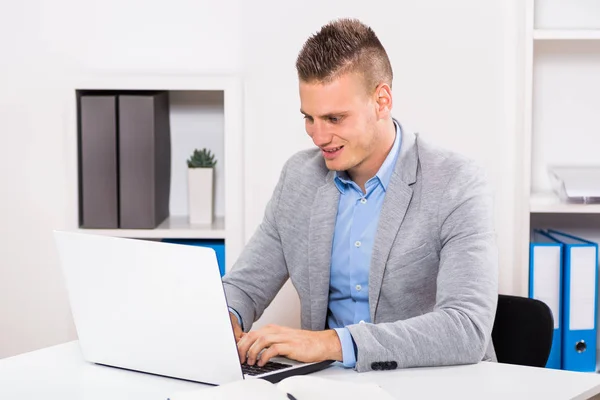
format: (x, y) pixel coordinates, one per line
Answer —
(549, 203)
(561, 99)
(566, 34)
(195, 99)
(174, 227)
(560, 115)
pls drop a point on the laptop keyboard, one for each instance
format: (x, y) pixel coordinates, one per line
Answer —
(270, 366)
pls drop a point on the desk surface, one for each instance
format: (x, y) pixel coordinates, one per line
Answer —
(60, 373)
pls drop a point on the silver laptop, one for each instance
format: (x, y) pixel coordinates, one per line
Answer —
(156, 307)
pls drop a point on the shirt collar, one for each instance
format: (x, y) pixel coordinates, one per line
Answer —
(384, 175)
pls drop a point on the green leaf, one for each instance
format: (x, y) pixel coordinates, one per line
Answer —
(202, 159)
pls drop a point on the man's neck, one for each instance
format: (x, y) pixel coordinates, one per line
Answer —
(366, 170)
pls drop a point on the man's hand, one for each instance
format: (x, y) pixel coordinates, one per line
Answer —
(299, 345)
(237, 329)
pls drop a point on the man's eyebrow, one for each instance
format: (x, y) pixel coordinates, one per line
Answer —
(328, 115)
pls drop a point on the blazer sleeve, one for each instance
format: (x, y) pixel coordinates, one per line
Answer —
(458, 329)
(260, 271)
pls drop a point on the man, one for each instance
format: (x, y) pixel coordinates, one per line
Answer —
(388, 240)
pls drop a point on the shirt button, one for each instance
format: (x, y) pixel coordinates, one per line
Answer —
(358, 287)
(363, 200)
(357, 244)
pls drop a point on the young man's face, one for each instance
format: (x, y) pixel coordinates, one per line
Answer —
(341, 119)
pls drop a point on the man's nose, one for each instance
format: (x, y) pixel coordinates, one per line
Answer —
(320, 134)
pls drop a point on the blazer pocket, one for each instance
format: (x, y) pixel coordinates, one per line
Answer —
(409, 258)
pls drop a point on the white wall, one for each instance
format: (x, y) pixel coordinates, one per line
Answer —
(453, 69)
(43, 42)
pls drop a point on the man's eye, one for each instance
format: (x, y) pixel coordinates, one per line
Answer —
(307, 118)
(334, 120)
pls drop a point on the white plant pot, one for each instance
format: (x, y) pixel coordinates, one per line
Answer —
(200, 195)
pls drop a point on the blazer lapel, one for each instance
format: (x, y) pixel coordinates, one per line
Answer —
(320, 240)
(397, 199)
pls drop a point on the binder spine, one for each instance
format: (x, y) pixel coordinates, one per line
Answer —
(580, 320)
(545, 284)
(98, 162)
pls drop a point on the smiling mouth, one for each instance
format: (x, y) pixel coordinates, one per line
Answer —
(333, 150)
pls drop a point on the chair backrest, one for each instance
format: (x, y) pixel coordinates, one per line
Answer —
(523, 331)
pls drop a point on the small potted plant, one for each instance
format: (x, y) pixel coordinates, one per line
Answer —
(201, 166)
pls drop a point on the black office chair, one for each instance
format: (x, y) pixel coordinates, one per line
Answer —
(522, 332)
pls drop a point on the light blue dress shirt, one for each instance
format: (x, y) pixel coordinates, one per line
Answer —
(354, 235)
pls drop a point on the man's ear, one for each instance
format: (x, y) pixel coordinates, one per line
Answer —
(383, 99)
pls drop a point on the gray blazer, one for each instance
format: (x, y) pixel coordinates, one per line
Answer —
(433, 279)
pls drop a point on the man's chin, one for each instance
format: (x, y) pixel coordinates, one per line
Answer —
(334, 165)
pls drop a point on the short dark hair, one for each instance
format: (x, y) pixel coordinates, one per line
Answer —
(341, 46)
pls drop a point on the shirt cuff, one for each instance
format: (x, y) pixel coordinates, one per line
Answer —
(238, 317)
(348, 354)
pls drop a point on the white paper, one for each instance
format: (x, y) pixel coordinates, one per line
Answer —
(302, 387)
(248, 389)
(314, 388)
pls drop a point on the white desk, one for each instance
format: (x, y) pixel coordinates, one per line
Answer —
(60, 373)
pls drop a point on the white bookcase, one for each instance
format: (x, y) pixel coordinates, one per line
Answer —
(561, 97)
(561, 115)
(205, 111)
